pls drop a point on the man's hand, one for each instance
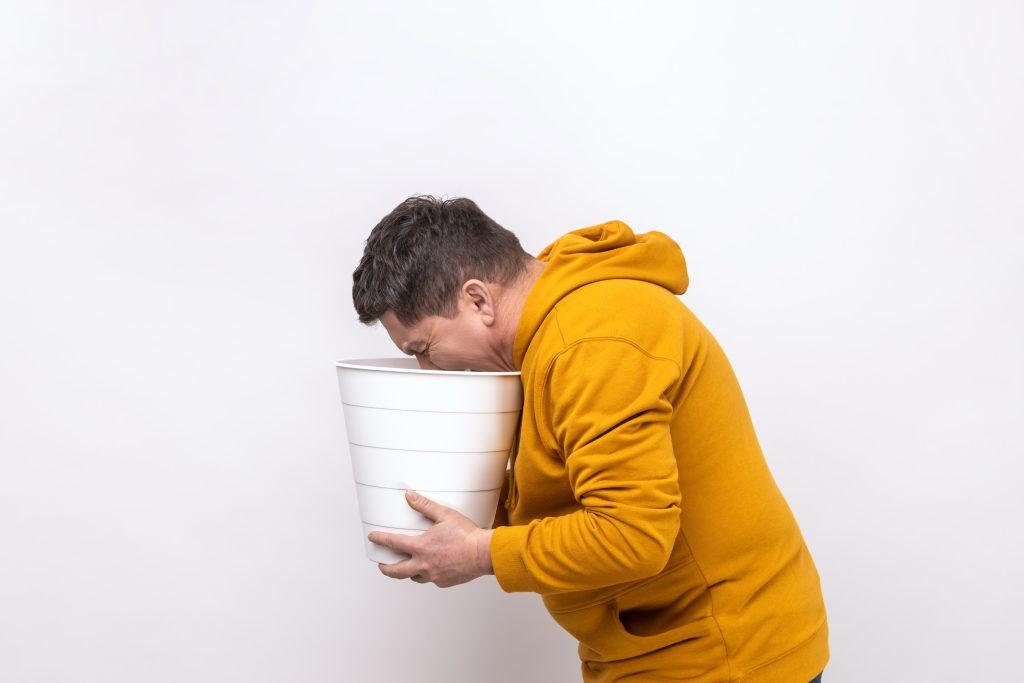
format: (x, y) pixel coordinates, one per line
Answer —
(453, 551)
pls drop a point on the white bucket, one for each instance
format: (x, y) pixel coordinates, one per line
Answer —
(443, 433)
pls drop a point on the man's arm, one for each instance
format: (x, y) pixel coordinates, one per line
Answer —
(608, 412)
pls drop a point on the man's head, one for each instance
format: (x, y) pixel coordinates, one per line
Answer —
(447, 283)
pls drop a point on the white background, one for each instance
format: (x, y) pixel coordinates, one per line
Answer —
(186, 188)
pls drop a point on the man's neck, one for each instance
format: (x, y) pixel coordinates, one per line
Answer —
(516, 298)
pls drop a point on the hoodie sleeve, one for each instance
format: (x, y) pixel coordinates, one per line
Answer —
(605, 399)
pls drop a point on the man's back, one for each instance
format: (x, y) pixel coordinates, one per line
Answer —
(643, 511)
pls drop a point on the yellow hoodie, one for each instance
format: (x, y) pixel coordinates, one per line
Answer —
(639, 505)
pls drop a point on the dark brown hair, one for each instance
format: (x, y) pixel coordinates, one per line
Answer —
(418, 257)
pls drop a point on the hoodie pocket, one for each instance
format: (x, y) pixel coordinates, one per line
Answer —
(593, 627)
(671, 608)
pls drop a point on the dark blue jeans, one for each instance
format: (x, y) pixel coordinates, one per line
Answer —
(817, 679)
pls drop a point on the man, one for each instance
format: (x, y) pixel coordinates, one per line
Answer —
(638, 504)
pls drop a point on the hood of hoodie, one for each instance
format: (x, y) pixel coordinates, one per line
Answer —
(605, 251)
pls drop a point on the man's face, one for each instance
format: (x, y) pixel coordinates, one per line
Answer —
(465, 342)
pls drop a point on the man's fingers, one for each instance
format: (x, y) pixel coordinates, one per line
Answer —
(401, 570)
(428, 508)
(402, 543)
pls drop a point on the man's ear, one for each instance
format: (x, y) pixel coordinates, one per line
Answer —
(481, 298)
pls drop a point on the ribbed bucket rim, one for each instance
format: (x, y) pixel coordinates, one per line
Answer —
(362, 364)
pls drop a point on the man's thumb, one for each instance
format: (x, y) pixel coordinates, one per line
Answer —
(424, 505)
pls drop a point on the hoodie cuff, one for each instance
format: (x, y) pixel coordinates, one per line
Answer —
(507, 544)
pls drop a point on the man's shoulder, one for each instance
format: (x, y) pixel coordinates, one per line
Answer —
(642, 312)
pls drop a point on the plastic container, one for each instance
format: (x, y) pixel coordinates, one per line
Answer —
(443, 433)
